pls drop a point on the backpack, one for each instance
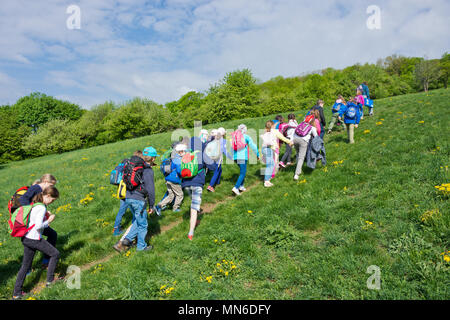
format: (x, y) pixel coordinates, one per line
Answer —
(303, 129)
(189, 165)
(122, 190)
(238, 141)
(117, 173)
(166, 167)
(283, 127)
(212, 149)
(277, 123)
(368, 102)
(132, 172)
(350, 113)
(14, 203)
(336, 107)
(19, 221)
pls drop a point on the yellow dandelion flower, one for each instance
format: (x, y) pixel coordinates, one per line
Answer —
(421, 121)
(250, 211)
(447, 258)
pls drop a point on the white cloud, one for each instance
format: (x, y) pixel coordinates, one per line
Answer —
(183, 44)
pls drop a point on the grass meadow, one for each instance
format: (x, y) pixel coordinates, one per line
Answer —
(375, 203)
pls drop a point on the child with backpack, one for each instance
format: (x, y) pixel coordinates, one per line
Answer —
(302, 135)
(32, 241)
(270, 150)
(359, 100)
(288, 133)
(138, 176)
(335, 114)
(192, 172)
(352, 116)
(215, 151)
(241, 151)
(173, 181)
(47, 180)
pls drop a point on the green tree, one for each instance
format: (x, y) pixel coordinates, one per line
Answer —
(37, 108)
(55, 136)
(12, 135)
(444, 66)
(427, 71)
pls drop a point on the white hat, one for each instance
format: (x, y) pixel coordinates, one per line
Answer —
(221, 131)
(214, 132)
(180, 147)
(242, 128)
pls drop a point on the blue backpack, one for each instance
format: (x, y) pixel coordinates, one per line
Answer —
(117, 173)
(166, 167)
(336, 107)
(350, 113)
(368, 102)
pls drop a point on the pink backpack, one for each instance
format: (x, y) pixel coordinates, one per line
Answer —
(303, 129)
(238, 140)
(283, 128)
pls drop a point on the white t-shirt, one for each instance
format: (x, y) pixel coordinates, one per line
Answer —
(290, 132)
(37, 216)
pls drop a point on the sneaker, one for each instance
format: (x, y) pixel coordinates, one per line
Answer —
(242, 189)
(210, 189)
(236, 191)
(147, 248)
(329, 131)
(296, 177)
(158, 211)
(163, 208)
(288, 164)
(190, 236)
(127, 243)
(19, 297)
(56, 279)
(177, 210)
(282, 164)
(268, 184)
(117, 232)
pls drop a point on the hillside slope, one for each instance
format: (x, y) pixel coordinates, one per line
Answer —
(374, 204)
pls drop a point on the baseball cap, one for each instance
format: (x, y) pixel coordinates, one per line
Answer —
(150, 152)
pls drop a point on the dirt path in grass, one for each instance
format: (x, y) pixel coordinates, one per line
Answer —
(206, 208)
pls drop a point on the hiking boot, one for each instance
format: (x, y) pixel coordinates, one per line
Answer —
(120, 246)
(236, 191)
(127, 243)
(210, 189)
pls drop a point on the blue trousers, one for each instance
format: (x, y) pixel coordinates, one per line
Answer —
(140, 224)
(123, 208)
(270, 163)
(243, 171)
(216, 176)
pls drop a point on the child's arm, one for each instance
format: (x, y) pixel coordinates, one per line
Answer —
(252, 145)
(26, 198)
(281, 137)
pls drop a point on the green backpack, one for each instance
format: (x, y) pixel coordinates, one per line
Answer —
(189, 165)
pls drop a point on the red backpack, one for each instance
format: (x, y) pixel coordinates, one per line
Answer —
(14, 203)
(19, 220)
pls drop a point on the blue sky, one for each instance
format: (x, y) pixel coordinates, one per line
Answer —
(162, 49)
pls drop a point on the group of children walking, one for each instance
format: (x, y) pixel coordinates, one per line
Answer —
(185, 172)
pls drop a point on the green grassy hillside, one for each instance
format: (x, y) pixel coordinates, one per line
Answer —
(375, 203)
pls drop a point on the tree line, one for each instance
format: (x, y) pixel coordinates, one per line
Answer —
(39, 124)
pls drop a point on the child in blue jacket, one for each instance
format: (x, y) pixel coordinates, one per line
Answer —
(173, 182)
(352, 116)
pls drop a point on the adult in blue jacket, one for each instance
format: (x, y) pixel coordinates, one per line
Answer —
(351, 114)
(194, 186)
(137, 204)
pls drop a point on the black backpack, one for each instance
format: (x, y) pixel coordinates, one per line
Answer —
(133, 171)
